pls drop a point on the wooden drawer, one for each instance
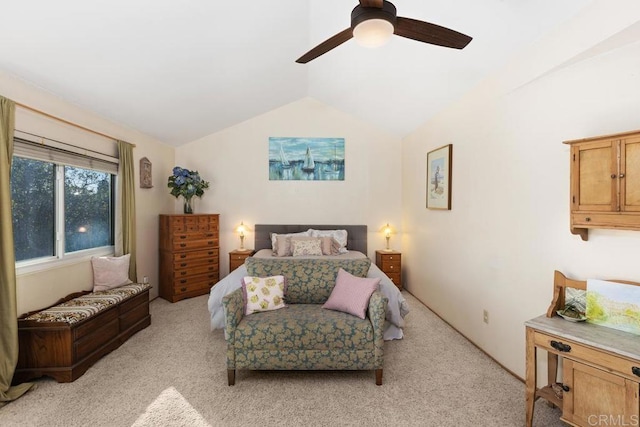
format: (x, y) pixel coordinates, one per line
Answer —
(590, 356)
(391, 266)
(201, 235)
(195, 271)
(605, 220)
(195, 244)
(395, 278)
(187, 284)
(390, 257)
(196, 283)
(193, 223)
(193, 255)
(195, 263)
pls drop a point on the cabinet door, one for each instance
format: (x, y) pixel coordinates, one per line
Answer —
(594, 176)
(630, 174)
(597, 397)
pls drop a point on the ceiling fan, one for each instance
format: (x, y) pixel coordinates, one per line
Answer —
(374, 21)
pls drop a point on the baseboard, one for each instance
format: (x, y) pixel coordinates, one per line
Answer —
(467, 338)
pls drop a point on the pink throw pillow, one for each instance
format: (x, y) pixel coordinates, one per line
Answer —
(351, 294)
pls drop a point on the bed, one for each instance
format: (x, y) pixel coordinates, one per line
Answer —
(356, 244)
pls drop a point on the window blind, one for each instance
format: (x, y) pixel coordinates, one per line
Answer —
(51, 151)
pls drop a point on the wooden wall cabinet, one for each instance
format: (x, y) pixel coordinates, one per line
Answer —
(605, 183)
(189, 255)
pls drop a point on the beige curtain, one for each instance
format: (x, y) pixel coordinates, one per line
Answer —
(126, 186)
(8, 305)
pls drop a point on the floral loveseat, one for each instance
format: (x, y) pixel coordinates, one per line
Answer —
(303, 335)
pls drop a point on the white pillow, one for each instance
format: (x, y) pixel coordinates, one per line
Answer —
(110, 272)
(339, 235)
(263, 293)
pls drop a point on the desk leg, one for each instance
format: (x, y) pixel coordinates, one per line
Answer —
(530, 377)
(552, 371)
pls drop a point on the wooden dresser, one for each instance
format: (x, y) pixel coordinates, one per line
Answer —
(390, 262)
(189, 255)
(601, 367)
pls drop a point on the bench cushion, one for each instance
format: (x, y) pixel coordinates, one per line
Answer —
(303, 327)
(85, 306)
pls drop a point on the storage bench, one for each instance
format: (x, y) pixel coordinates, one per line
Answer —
(64, 340)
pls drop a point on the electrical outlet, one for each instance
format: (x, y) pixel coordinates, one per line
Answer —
(485, 316)
(145, 279)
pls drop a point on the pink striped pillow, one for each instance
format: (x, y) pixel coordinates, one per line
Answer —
(351, 294)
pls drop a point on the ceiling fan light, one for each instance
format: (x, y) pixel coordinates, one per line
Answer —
(373, 32)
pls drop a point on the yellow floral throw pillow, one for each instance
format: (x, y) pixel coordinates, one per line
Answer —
(263, 293)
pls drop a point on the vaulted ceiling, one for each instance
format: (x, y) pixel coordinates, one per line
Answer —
(178, 71)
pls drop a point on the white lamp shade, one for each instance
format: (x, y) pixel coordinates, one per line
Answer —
(373, 32)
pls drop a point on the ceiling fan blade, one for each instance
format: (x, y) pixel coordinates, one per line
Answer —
(371, 3)
(430, 33)
(326, 46)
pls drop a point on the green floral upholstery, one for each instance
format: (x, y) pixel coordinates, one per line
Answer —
(309, 281)
(302, 335)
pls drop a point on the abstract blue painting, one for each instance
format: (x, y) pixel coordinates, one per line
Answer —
(306, 159)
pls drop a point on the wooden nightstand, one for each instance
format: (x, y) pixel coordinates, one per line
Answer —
(237, 257)
(390, 262)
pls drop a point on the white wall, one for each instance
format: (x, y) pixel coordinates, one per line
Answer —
(40, 289)
(235, 161)
(508, 229)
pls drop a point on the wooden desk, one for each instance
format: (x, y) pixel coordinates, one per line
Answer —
(601, 368)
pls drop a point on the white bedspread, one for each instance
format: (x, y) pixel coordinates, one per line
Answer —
(397, 307)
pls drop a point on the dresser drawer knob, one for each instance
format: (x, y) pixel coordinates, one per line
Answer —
(587, 219)
(184, 264)
(183, 281)
(183, 256)
(561, 346)
(183, 289)
(183, 273)
(636, 371)
(182, 245)
(564, 387)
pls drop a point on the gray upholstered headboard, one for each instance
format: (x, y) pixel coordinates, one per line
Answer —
(356, 234)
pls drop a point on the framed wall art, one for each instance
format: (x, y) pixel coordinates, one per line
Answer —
(439, 178)
(145, 173)
(306, 159)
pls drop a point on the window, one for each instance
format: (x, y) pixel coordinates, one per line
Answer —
(62, 203)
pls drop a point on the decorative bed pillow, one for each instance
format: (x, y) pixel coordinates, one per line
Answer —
(274, 239)
(306, 247)
(110, 272)
(263, 293)
(330, 246)
(351, 294)
(339, 235)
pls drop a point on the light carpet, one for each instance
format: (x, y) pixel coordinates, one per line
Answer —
(174, 373)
